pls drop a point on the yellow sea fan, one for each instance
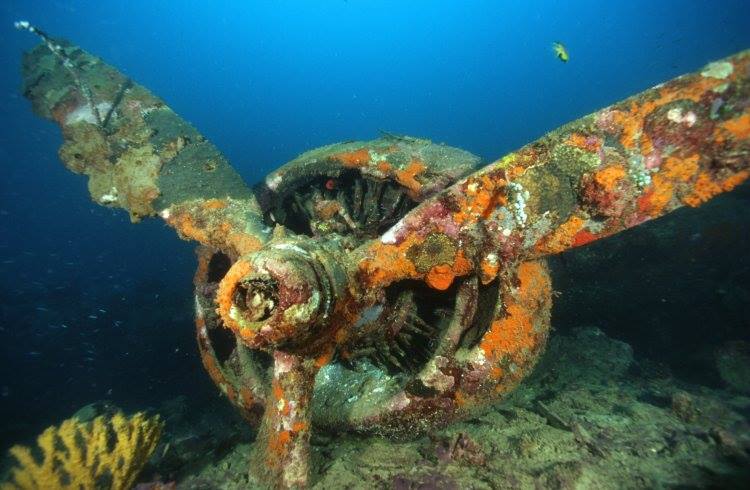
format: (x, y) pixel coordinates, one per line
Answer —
(105, 453)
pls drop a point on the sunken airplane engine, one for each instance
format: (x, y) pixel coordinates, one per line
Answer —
(387, 286)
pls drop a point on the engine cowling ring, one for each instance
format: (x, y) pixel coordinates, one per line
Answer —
(451, 347)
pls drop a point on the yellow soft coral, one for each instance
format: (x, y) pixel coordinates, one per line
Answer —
(105, 453)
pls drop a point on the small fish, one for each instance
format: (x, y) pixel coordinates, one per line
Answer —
(33, 353)
(41, 308)
(93, 317)
(560, 51)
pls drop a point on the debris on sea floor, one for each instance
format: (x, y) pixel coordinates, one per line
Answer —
(606, 418)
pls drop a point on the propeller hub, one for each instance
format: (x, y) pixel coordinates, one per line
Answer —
(283, 295)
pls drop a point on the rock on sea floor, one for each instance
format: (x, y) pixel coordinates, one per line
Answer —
(591, 416)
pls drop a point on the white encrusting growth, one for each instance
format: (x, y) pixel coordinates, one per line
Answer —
(389, 237)
(376, 157)
(676, 115)
(518, 203)
(273, 181)
(718, 69)
(86, 113)
(292, 247)
(110, 197)
(199, 314)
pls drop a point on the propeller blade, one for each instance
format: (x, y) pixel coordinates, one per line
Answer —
(137, 153)
(677, 144)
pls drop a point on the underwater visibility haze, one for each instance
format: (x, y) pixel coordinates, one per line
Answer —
(388, 289)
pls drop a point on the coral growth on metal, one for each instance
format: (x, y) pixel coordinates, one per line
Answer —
(395, 285)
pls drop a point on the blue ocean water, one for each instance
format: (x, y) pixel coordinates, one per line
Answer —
(94, 307)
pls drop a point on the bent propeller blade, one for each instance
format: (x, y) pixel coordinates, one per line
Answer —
(137, 153)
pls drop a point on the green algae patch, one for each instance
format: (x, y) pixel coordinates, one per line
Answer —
(550, 189)
(436, 249)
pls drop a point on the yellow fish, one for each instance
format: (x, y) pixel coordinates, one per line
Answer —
(560, 51)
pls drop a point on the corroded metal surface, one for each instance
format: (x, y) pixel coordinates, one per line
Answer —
(677, 144)
(359, 189)
(381, 286)
(137, 153)
(282, 448)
